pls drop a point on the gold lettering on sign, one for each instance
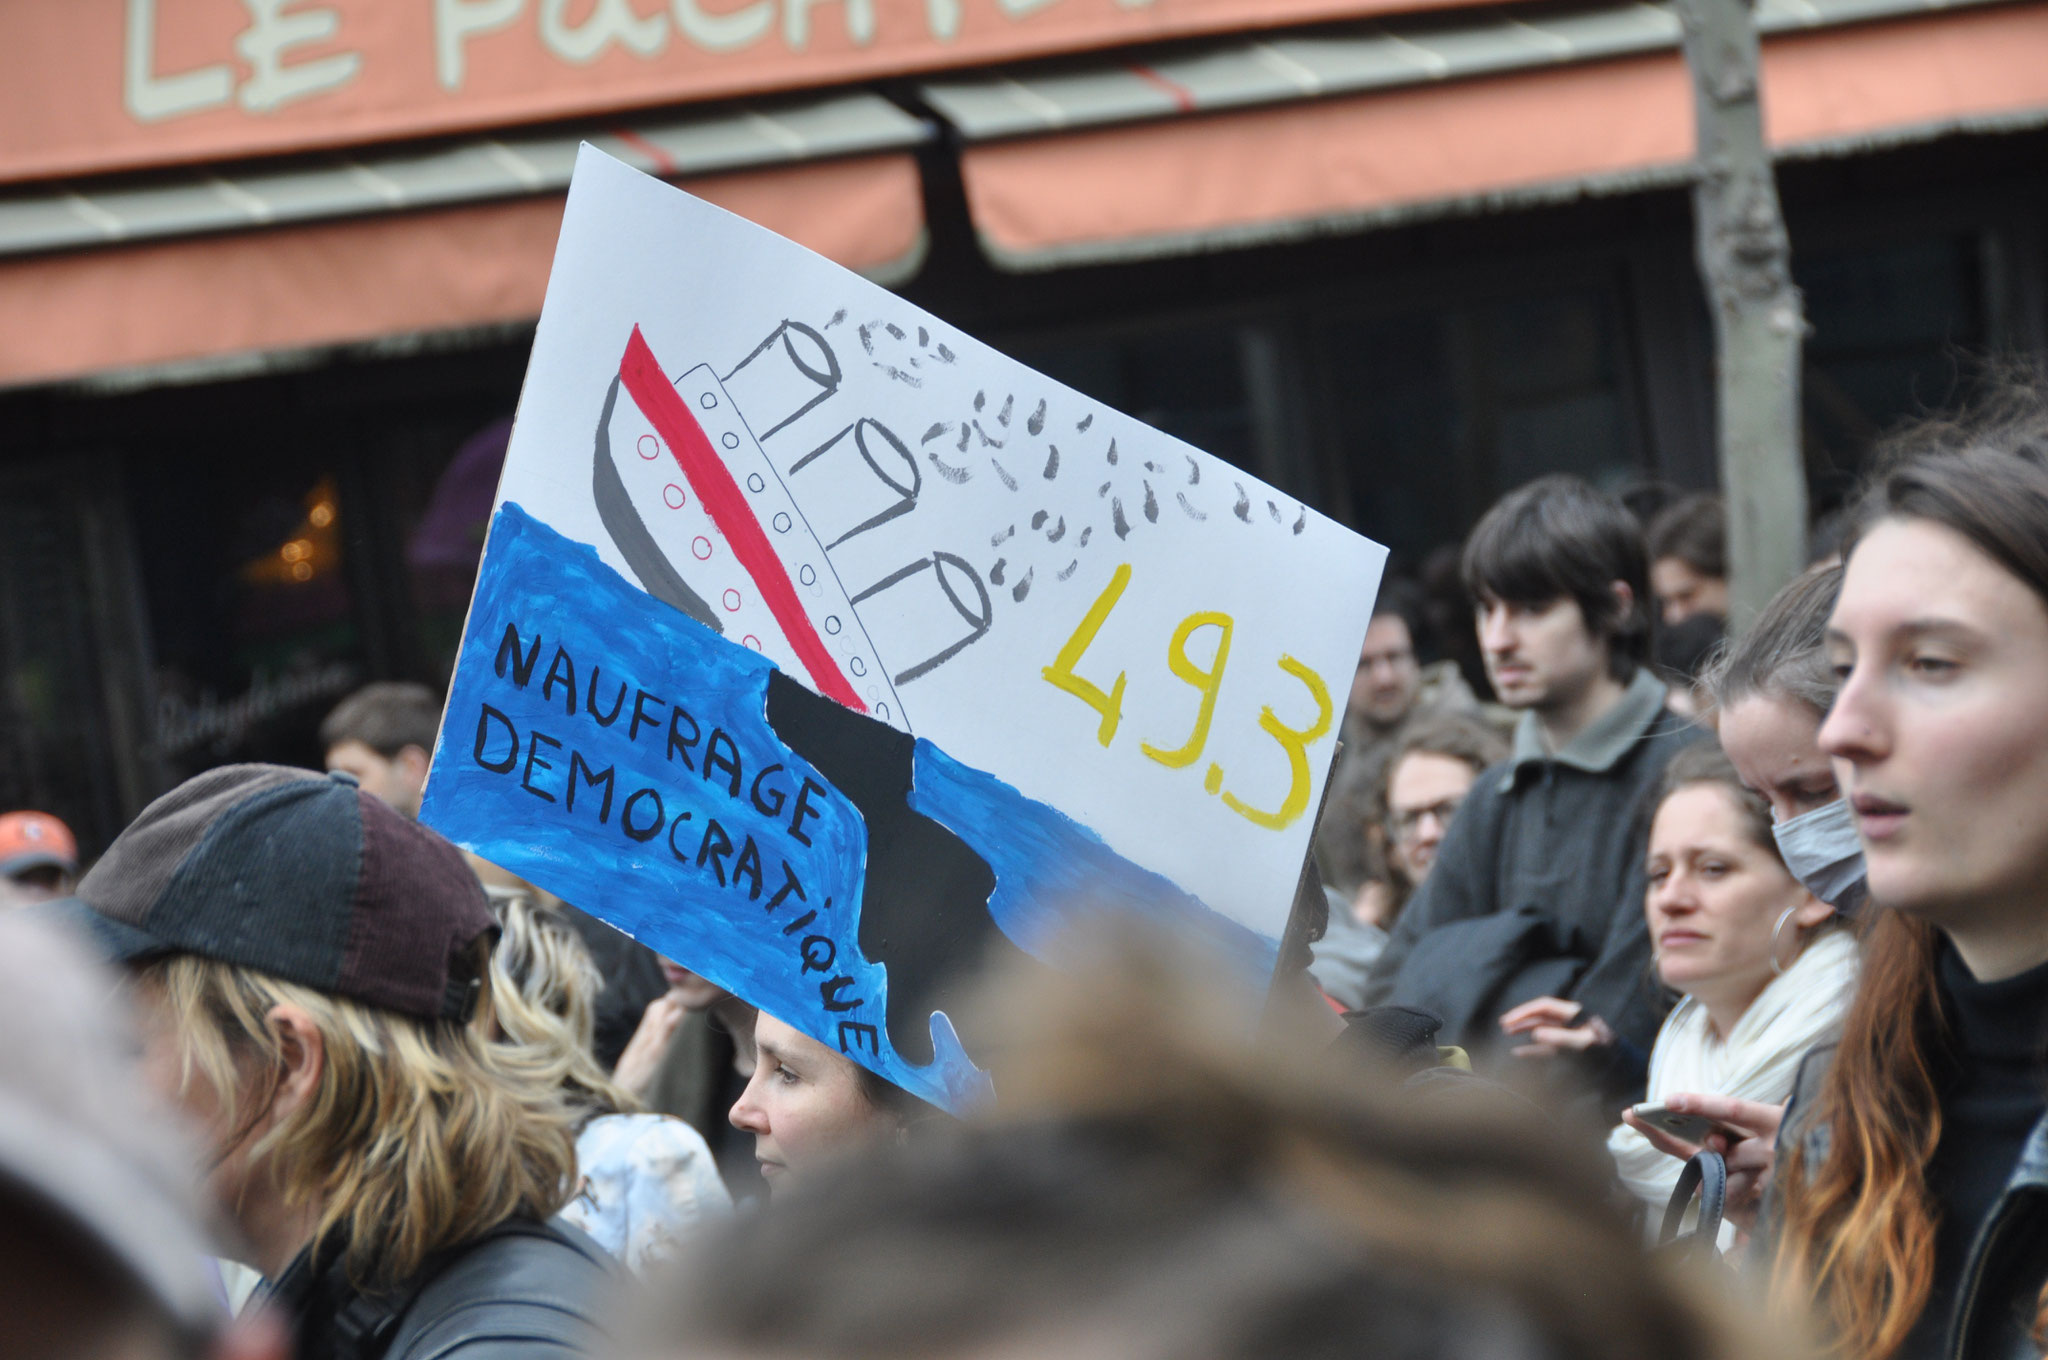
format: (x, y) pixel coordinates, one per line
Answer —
(275, 28)
(943, 18)
(574, 32)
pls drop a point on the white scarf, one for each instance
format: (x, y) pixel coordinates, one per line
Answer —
(1800, 1008)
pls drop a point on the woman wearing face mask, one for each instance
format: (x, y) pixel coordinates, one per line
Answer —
(1766, 967)
(1908, 1198)
(808, 1106)
(1772, 691)
(1762, 967)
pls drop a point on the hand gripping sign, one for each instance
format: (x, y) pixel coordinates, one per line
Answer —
(829, 652)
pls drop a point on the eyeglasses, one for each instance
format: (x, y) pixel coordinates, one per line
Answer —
(1408, 822)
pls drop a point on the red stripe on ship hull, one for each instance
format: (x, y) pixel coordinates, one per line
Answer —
(722, 499)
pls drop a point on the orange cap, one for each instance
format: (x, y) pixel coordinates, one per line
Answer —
(31, 840)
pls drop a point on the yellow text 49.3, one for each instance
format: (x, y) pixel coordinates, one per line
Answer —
(1207, 680)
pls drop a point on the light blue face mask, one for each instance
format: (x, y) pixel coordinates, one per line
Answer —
(1821, 849)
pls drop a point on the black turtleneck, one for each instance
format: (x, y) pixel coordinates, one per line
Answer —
(1990, 1102)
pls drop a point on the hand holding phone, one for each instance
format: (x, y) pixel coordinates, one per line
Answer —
(1691, 1128)
(1748, 1130)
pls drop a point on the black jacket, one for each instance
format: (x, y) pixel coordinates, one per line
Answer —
(1538, 887)
(2002, 1277)
(527, 1290)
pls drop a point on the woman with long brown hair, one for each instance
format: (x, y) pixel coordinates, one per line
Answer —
(1912, 1186)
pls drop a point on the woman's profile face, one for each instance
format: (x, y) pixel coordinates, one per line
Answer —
(1715, 896)
(1940, 731)
(1774, 743)
(803, 1104)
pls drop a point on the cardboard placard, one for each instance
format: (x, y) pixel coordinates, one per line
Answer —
(826, 650)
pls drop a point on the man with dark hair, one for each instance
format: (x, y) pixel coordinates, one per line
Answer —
(1539, 881)
(1689, 558)
(383, 734)
(1390, 686)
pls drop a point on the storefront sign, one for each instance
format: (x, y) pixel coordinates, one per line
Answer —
(826, 650)
(101, 85)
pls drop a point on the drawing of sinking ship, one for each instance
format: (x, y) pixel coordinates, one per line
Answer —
(709, 525)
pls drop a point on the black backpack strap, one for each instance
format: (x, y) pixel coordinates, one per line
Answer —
(364, 1327)
(1707, 1176)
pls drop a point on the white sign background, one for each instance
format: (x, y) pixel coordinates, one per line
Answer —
(1042, 492)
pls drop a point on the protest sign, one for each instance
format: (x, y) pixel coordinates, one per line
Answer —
(828, 652)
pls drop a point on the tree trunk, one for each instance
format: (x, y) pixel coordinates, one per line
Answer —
(1745, 263)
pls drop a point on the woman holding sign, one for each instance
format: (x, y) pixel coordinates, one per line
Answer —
(807, 1106)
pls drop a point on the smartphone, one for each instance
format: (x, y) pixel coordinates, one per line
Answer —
(1692, 1128)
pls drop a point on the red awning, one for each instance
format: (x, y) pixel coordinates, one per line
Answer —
(339, 282)
(1200, 180)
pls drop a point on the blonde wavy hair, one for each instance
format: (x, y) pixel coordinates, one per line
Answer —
(421, 1135)
(546, 987)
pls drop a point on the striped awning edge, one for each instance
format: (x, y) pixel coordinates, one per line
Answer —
(1355, 60)
(133, 209)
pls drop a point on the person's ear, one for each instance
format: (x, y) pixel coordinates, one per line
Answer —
(1624, 600)
(414, 761)
(1811, 912)
(302, 1055)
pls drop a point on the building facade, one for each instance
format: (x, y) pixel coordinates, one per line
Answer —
(267, 277)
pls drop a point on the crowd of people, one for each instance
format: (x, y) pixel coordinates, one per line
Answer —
(1631, 907)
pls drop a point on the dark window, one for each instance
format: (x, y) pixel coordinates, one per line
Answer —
(1889, 326)
(299, 535)
(1191, 384)
(245, 553)
(69, 688)
(1439, 412)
